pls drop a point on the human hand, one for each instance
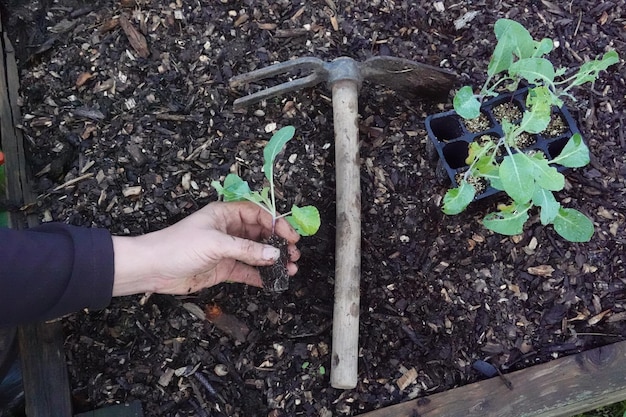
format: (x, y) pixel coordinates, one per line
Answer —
(215, 244)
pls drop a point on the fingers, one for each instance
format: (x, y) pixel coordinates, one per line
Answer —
(245, 274)
(247, 251)
(292, 269)
(249, 220)
(284, 229)
(294, 253)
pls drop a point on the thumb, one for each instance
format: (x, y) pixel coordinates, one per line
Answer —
(248, 251)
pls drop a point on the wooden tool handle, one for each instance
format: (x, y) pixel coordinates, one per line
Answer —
(345, 343)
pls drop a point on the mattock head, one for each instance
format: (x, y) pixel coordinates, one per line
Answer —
(317, 75)
(412, 79)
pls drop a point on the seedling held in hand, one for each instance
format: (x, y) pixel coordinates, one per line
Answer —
(306, 220)
(528, 177)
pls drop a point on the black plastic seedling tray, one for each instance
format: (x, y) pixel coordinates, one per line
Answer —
(451, 138)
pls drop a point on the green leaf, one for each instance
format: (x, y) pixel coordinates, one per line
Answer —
(508, 26)
(589, 71)
(546, 176)
(457, 199)
(537, 117)
(274, 146)
(234, 189)
(322, 370)
(501, 58)
(560, 71)
(507, 127)
(488, 170)
(513, 39)
(466, 104)
(534, 70)
(479, 153)
(485, 163)
(509, 221)
(516, 173)
(575, 153)
(306, 220)
(549, 206)
(534, 120)
(573, 225)
(543, 47)
(265, 193)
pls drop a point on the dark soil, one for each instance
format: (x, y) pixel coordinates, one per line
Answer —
(130, 138)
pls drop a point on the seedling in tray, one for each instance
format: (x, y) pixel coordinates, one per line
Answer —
(528, 175)
(305, 220)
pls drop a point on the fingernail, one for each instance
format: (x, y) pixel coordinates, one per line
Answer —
(270, 253)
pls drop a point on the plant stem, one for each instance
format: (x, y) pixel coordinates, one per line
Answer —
(283, 215)
(263, 206)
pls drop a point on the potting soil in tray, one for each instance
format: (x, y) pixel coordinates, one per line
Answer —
(451, 137)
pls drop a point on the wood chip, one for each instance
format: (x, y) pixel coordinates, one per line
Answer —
(73, 181)
(136, 39)
(63, 26)
(462, 21)
(131, 191)
(598, 317)
(617, 317)
(407, 379)
(441, 267)
(135, 152)
(195, 310)
(541, 270)
(220, 369)
(166, 378)
(88, 113)
(109, 25)
(266, 26)
(241, 20)
(334, 23)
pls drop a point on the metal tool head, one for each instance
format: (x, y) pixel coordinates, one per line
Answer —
(315, 65)
(412, 79)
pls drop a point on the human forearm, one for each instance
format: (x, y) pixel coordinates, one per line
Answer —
(52, 270)
(218, 243)
(133, 262)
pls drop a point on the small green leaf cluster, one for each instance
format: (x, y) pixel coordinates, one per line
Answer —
(320, 371)
(528, 177)
(305, 220)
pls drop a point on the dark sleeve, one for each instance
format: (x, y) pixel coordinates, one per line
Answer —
(52, 270)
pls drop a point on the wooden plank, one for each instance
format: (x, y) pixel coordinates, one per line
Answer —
(46, 383)
(560, 388)
(7, 350)
(11, 138)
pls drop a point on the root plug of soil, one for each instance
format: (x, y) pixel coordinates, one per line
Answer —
(275, 277)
